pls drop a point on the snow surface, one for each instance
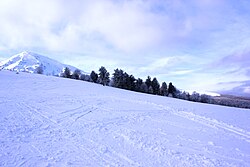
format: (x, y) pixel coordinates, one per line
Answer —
(50, 121)
(29, 61)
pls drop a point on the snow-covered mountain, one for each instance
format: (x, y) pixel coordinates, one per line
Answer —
(52, 121)
(29, 62)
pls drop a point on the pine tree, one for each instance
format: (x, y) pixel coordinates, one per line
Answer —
(205, 98)
(67, 73)
(118, 78)
(144, 88)
(39, 69)
(171, 90)
(183, 95)
(195, 97)
(128, 82)
(148, 82)
(76, 74)
(131, 82)
(164, 89)
(155, 86)
(94, 76)
(125, 81)
(103, 76)
(150, 90)
(85, 77)
(138, 85)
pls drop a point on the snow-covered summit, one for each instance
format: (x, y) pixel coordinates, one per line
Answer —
(29, 62)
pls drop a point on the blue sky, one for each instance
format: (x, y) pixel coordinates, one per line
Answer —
(196, 44)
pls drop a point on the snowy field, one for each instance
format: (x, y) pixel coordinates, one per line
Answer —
(49, 121)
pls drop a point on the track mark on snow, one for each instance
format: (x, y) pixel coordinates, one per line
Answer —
(82, 115)
(74, 109)
(214, 124)
(38, 113)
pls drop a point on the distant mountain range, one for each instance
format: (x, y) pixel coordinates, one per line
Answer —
(29, 62)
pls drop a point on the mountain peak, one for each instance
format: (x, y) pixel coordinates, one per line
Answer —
(25, 55)
(25, 52)
(27, 61)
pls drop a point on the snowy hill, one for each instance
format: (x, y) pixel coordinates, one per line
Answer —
(50, 121)
(29, 62)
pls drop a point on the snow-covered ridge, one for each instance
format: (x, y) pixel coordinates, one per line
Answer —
(29, 62)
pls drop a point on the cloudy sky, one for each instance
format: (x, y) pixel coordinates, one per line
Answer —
(196, 44)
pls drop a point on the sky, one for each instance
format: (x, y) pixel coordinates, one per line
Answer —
(196, 44)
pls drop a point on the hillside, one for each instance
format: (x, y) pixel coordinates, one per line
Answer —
(50, 121)
(29, 62)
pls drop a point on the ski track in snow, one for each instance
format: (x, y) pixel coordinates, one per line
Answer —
(104, 126)
(213, 123)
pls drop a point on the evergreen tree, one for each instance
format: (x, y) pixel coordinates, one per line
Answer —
(94, 76)
(171, 90)
(67, 73)
(103, 76)
(138, 85)
(183, 95)
(195, 97)
(205, 98)
(76, 74)
(155, 86)
(131, 82)
(82, 77)
(148, 82)
(144, 88)
(164, 89)
(39, 69)
(118, 78)
(125, 81)
(85, 77)
(150, 90)
(128, 82)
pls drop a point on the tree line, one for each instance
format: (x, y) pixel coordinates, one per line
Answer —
(123, 80)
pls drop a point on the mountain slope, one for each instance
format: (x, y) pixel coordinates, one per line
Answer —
(29, 62)
(50, 121)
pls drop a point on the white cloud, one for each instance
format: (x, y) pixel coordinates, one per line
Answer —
(125, 25)
(140, 36)
(160, 64)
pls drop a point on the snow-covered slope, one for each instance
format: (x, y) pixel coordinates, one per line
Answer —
(29, 62)
(49, 121)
